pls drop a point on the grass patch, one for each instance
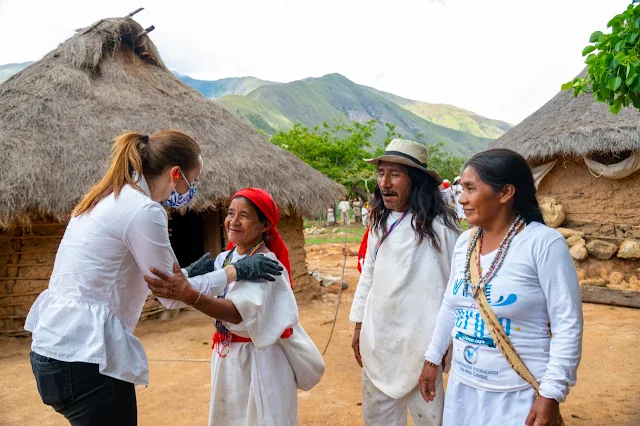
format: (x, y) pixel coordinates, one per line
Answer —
(354, 235)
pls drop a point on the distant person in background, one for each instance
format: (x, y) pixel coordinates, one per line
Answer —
(344, 208)
(457, 192)
(447, 194)
(357, 211)
(365, 215)
(331, 218)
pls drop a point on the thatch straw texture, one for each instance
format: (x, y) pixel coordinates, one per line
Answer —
(58, 118)
(573, 126)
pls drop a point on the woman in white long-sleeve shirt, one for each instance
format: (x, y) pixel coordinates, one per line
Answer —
(531, 286)
(84, 357)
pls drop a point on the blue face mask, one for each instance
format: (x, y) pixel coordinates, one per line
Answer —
(180, 200)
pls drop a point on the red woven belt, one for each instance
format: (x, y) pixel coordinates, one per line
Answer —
(239, 339)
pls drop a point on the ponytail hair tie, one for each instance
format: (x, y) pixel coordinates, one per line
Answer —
(145, 138)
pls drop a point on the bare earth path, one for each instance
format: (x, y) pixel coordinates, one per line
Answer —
(608, 390)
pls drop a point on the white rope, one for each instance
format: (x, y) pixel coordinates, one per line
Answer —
(181, 360)
(344, 264)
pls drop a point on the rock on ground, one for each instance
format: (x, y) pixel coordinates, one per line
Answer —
(601, 249)
(566, 232)
(579, 252)
(629, 249)
(575, 240)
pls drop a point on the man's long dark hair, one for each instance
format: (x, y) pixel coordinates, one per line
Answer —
(426, 205)
(499, 167)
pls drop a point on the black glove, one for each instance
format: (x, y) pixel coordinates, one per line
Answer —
(257, 267)
(201, 266)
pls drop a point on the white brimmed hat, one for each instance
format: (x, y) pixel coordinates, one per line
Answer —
(409, 153)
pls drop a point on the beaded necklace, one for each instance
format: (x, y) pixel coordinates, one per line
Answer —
(225, 335)
(391, 228)
(497, 261)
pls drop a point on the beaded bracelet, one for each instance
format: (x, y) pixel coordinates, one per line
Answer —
(430, 363)
(199, 294)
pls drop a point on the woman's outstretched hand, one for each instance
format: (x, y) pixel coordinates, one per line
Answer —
(174, 287)
(427, 382)
(258, 267)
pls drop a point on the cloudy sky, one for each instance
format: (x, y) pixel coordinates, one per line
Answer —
(500, 58)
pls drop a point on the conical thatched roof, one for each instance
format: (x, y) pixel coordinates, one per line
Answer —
(59, 116)
(573, 126)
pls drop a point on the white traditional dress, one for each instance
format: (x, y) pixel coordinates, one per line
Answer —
(397, 301)
(254, 384)
(457, 192)
(536, 286)
(331, 218)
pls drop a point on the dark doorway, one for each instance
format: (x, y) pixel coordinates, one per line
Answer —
(186, 233)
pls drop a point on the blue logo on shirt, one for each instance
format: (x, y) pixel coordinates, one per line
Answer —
(457, 284)
(502, 301)
(471, 354)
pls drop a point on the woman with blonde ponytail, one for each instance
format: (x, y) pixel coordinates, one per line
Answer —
(84, 355)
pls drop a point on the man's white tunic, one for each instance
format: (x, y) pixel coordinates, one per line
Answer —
(397, 301)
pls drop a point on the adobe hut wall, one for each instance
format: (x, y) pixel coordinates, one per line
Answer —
(291, 229)
(603, 209)
(27, 254)
(597, 206)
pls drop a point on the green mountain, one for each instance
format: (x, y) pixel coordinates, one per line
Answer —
(271, 107)
(227, 86)
(334, 98)
(260, 116)
(451, 116)
(8, 70)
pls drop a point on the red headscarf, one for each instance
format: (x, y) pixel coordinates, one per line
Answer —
(263, 200)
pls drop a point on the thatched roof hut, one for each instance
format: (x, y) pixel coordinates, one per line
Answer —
(58, 118)
(568, 126)
(592, 158)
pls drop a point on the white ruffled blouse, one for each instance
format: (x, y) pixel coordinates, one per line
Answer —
(97, 291)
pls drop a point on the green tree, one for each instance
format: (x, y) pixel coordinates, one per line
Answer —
(613, 66)
(335, 151)
(338, 152)
(447, 165)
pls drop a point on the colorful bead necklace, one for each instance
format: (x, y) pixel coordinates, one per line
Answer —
(225, 335)
(391, 228)
(515, 227)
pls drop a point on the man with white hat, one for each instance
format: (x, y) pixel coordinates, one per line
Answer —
(403, 279)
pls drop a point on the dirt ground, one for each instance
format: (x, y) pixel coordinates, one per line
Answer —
(607, 393)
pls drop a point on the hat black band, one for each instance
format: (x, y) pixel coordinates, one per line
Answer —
(407, 156)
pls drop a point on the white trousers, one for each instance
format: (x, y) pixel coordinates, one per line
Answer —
(379, 409)
(467, 406)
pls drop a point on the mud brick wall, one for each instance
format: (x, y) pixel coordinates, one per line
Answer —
(597, 206)
(27, 254)
(290, 228)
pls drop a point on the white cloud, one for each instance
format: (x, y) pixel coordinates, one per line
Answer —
(500, 58)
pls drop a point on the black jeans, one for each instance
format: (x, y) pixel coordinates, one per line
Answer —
(85, 397)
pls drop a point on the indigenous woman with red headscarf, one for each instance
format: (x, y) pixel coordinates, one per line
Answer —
(255, 355)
